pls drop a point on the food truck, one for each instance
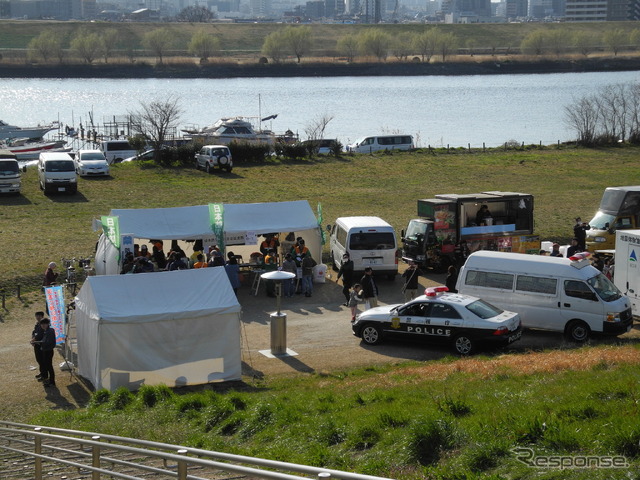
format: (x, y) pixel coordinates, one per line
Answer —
(452, 226)
(619, 210)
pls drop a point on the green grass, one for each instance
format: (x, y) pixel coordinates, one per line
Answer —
(36, 229)
(374, 422)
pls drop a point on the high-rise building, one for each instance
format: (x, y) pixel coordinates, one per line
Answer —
(516, 8)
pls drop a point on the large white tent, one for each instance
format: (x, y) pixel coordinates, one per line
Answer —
(241, 224)
(174, 328)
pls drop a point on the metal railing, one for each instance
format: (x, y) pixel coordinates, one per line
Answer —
(111, 456)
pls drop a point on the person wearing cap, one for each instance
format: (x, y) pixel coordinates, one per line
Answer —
(555, 250)
(574, 248)
(410, 275)
(580, 233)
(50, 276)
(346, 272)
(216, 259)
(300, 251)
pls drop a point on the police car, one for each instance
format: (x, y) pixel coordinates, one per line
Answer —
(461, 320)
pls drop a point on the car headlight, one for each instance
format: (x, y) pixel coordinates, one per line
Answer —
(613, 317)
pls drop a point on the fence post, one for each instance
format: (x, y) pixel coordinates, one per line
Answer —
(95, 458)
(37, 442)
(469, 146)
(182, 465)
(484, 147)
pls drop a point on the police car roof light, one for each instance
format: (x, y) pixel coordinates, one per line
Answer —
(579, 256)
(434, 291)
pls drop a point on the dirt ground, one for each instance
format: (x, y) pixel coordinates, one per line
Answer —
(319, 340)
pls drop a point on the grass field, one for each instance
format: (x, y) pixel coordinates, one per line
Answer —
(238, 40)
(566, 182)
(452, 419)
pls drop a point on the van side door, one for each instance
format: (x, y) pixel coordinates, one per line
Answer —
(579, 301)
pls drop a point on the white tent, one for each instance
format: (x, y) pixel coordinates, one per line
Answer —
(174, 328)
(241, 222)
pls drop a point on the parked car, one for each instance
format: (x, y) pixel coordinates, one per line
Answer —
(322, 146)
(211, 156)
(463, 321)
(90, 163)
(146, 155)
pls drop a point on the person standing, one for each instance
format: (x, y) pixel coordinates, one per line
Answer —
(354, 299)
(574, 248)
(47, 346)
(369, 289)
(555, 250)
(307, 274)
(580, 233)
(233, 272)
(36, 339)
(50, 276)
(288, 265)
(410, 275)
(271, 265)
(452, 279)
(346, 272)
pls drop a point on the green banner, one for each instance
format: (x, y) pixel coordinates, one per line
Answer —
(322, 232)
(216, 218)
(111, 229)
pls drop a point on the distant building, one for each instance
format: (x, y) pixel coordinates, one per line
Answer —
(602, 10)
(516, 8)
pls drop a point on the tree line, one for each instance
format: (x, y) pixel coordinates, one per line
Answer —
(297, 42)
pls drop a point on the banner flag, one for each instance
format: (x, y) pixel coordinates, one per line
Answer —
(111, 229)
(54, 297)
(322, 232)
(216, 218)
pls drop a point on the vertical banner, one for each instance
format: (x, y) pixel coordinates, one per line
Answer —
(322, 232)
(111, 229)
(216, 218)
(54, 297)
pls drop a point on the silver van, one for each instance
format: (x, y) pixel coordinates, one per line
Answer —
(117, 150)
(370, 242)
(381, 142)
(57, 173)
(10, 181)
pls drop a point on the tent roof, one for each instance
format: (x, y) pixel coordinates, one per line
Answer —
(151, 297)
(179, 223)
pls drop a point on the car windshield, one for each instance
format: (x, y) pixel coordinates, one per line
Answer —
(92, 156)
(602, 221)
(605, 289)
(483, 309)
(416, 228)
(372, 241)
(60, 166)
(10, 166)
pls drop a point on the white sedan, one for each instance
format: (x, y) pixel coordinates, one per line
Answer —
(461, 320)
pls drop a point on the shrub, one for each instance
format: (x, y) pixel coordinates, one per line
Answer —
(365, 437)
(120, 399)
(457, 408)
(100, 397)
(149, 396)
(216, 413)
(243, 152)
(428, 438)
(186, 405)
(294, 151)
(627, 442)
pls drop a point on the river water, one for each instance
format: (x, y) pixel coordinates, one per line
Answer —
(436, 110)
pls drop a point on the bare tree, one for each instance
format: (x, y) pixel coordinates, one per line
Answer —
(315, 132)
(583, 118)
(348, 46)
(376, 42)
(275, 46)
(87, 45)
(402, 45)
(426, 43)
(110, 39)
(447, 44)
(299, 40)
(558, 41)
(46, 45)
(535, 43)
(157, 120)
(615, 39)
(585, 42)
(204, 45)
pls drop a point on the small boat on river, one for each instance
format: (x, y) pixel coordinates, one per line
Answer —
(31, 133)
(231, 129)
(24, 149)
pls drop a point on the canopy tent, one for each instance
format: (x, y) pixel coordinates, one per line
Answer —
(174, 328)
(240, 223)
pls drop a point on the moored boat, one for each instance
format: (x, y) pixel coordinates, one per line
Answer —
(26, 150)
(32, 133)
(227, 130)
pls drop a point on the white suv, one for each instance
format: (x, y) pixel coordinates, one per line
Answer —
(214, 156)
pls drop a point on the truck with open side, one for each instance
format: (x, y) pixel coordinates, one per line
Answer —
(452, 226)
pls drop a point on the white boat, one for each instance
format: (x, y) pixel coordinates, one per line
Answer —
(227, 130)
(35, 133)
(27, 150)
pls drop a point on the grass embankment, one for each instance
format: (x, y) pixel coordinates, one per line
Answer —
(37, 229)
(455, 419)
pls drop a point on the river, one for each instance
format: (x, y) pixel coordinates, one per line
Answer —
(436, 110)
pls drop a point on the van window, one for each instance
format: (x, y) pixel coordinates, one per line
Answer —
(577, 289)
(490, 279)
(605, 289)
(529, 284)
(372, 241)
(341, 236)
(116, 146)
(59, 166)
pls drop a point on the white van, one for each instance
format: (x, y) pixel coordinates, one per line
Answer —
(117, 150)
(381, 142)
(370, 241)
(549, 293)
(9, 173)
(57, 172)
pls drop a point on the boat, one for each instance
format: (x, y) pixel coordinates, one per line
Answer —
(32, 133)
(24, 149)
(231, 129)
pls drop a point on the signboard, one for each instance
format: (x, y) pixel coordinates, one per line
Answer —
(54, 296)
